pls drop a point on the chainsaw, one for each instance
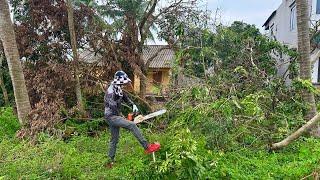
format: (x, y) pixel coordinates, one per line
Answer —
(136, 118)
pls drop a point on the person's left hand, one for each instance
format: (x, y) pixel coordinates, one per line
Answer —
(135, 108)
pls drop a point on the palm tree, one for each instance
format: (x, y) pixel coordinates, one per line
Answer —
(8, 38)
(304, 53)
(75, 54)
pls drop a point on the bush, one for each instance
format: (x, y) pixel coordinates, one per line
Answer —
(180, 157)
(243, 118)
(9, 123)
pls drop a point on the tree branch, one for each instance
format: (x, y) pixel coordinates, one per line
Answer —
(166, 10)
(147, 15)
(140, 99)
(296, 134)
(144, 25)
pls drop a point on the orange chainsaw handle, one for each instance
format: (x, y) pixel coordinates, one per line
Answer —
(131, 116)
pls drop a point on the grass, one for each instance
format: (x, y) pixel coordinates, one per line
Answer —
(9, 124)
(295, 162)
(83, 157)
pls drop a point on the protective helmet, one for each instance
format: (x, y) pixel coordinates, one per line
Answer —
(121, 77)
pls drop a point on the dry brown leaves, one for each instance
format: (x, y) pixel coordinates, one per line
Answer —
(50, 89)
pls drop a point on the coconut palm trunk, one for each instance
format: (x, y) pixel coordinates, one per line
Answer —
(75, 55)
(8, 38)
(304, 53)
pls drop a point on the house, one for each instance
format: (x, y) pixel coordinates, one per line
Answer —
(159, 71)
(159, 74)
(282, 26)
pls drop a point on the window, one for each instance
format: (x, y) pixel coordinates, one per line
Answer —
(318, 7)
(272, 32)
(293, 18)
(157, 77)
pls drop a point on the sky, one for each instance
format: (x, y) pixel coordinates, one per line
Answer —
(250, 11)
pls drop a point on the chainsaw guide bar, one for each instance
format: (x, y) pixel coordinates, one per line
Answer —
(141, 118)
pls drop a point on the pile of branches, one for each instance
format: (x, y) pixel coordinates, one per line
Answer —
(44, 45)
(243, 100)
(51, 89)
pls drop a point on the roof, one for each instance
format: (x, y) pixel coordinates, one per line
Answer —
(89, 56)
(164, 59)
(266, 24)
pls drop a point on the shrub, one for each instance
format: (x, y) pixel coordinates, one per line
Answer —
(181, 158)
(9, 123)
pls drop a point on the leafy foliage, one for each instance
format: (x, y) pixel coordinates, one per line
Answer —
(242, 102)
(217, 128)
(179, 157)
(9, 123)
(7, 83)
(183, 156)
(45, 48)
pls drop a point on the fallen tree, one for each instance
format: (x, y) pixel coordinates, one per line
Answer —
(296, 134)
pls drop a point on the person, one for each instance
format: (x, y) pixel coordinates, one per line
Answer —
(113, 98)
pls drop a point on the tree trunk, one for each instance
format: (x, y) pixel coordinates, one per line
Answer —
(296, 134)
(8, 38)
(75, 55)
(304, 54)
(3, 87)
(143, 82)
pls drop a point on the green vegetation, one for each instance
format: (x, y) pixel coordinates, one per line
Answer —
(183, 156)
(226, 105)
(9, 123)
(219, 128)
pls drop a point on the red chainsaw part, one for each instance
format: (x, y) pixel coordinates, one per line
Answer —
(130, 117)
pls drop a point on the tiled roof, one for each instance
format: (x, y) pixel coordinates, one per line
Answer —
(163, 60)
(89, 56)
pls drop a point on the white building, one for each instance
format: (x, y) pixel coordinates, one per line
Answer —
(282, 26)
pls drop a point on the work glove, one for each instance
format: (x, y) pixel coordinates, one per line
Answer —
(135, 108)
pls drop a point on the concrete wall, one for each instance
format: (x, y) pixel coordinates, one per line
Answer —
(283, 34)
(149, 84)
(314, 74)
(281, 23)
(136, 83)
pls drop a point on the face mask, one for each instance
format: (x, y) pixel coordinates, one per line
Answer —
(117, 90)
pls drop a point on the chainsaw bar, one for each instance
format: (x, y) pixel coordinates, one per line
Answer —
(139, 119)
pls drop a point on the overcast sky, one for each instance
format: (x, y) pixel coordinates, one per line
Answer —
(249, 11)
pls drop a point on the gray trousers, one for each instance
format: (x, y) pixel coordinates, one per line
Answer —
(115, 122)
